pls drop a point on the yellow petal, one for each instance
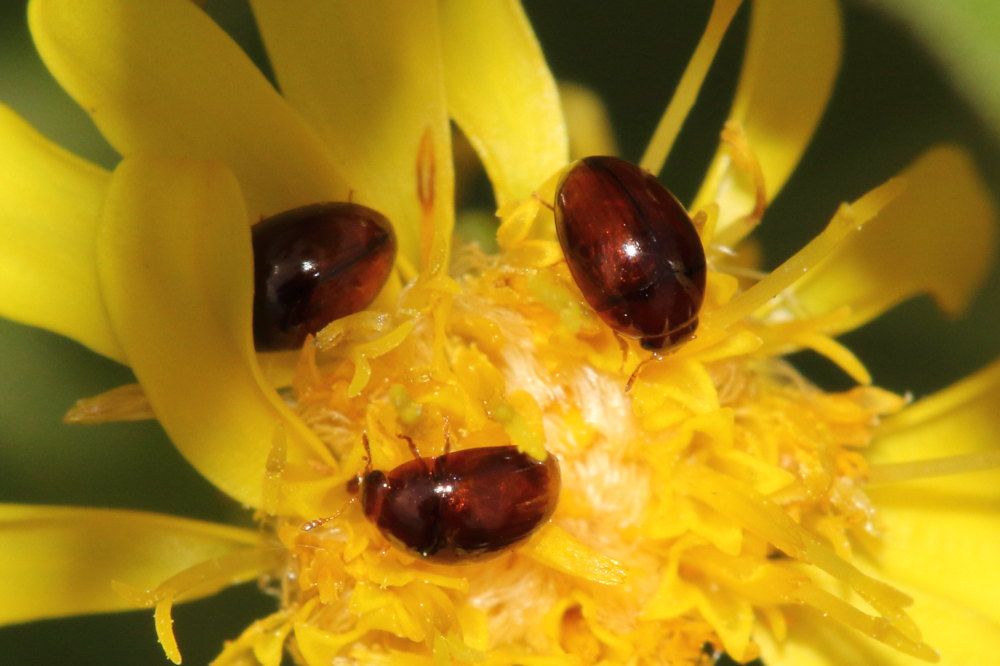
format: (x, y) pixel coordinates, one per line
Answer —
(943, 533)
(502, 95)
(937, 238)
(940, 539)
(368, 76)
(587, 122)
(961, 636)
(58, 561)
(48, 218)
(176, 269)
(159, 76)
(960, 419)
(792, 58)
(689, 86)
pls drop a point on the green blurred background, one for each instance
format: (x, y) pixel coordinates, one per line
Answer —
(915, 73)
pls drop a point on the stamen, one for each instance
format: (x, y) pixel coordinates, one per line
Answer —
(274, 469)
(689, 86)
(374, 349)
(164, 622)
(556, 548)
(124, 403)
(839, 354)
(762, 517)
(743, 158)
(878, 628)
(922, 469)
(266, 635)
(848, 219)
(199, 580)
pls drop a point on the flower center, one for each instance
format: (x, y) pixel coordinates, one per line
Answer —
(722, 488)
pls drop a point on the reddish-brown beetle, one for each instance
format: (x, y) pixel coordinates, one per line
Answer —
(315, 264)
(464, 505)
(632, 249)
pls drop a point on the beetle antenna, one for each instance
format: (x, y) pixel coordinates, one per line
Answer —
(413, 446)
(415, 451)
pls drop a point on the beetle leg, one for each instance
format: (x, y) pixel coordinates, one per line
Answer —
(542, 201)
(642, 364)
(319, 522)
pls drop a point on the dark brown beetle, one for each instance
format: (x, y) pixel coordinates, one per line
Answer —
(315, 264)
(632, 250)
(464, 505)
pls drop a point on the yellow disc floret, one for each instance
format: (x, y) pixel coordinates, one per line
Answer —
(716, 490)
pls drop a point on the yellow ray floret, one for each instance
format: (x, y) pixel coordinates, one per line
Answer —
(502, 95)
(60, 561)
(168, 228)
(147, 93)
(48, 273)
(387, 53)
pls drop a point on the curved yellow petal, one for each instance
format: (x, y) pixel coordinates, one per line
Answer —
(176, 269)
(960, 419)
(48, 217)
(502, 95)
(159, 76)
(915, 452)
(938, 237)
(58, 561)
(791, 61)
(961, 637)
(368, 76)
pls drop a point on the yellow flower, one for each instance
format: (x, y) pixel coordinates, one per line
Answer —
(712, 498)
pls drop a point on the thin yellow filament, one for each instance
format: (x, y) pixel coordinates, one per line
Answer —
(199, 580)
(164, 622)
(689, 86)
(849, 218)
(878, 628)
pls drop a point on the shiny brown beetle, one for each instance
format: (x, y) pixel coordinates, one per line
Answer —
(632, 249)
(315, 264)
(464, 505)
